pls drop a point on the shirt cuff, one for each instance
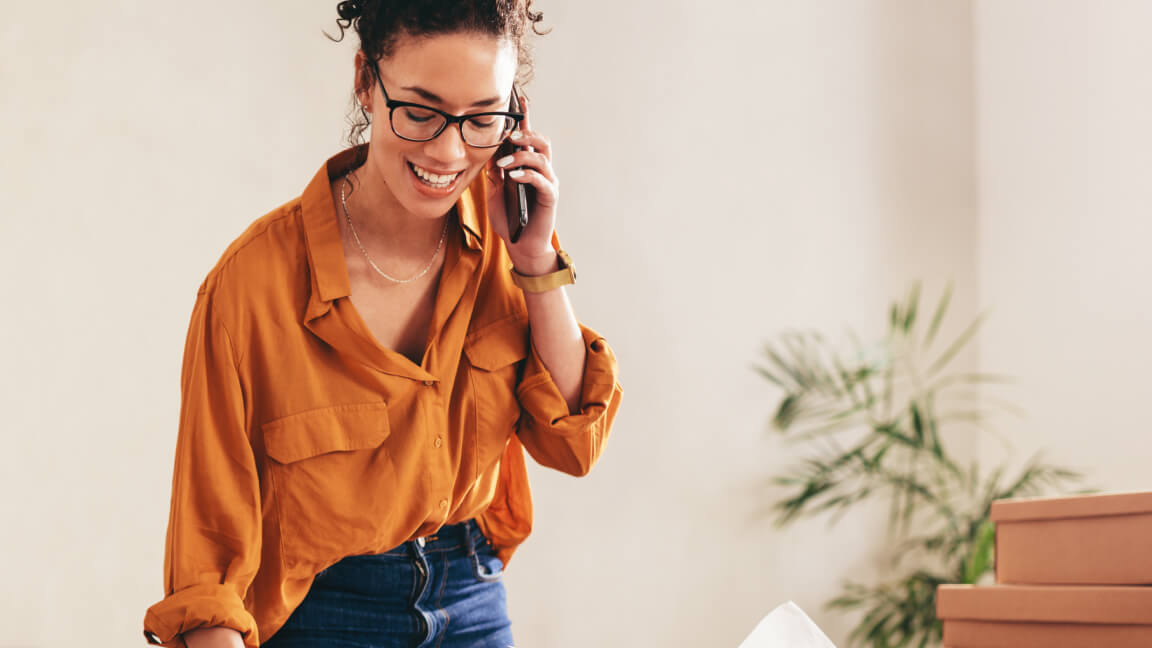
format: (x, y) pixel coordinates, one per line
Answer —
(199, 606)
(541, 399)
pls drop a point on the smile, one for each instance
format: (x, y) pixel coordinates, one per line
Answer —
(434, 180)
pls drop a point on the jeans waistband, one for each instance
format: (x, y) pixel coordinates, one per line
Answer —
(463, 535)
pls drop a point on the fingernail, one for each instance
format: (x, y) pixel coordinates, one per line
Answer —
(516, 134)
(504, 161)
(515, 174)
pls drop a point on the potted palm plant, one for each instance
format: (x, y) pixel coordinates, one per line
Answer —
(875, 421)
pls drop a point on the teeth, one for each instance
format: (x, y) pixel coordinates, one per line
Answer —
(434, 179)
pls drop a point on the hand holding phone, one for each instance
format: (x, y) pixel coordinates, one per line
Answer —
(517, 195)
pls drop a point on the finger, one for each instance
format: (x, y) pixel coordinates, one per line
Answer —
(533, 139)
(493, 173)
(528, 159)
(528, 135)
(524, 109)
(547, 193)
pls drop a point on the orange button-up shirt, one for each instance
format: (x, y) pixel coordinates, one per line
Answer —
(302, 440)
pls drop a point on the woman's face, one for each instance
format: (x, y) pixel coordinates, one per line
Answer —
(458, 73)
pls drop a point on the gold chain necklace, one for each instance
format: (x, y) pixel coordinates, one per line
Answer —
(443, 235)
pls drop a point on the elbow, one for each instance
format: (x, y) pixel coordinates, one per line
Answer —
(578, 468)
(580, 457)
(569, 456)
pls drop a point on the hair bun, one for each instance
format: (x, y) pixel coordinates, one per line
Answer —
(350, 9)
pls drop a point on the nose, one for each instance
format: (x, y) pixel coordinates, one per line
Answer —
(448, 146)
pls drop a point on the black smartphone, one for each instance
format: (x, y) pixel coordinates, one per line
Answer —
(517, 195)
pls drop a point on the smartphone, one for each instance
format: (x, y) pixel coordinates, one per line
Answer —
(516, 195)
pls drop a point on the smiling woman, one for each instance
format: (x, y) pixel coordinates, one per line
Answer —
(366, 365)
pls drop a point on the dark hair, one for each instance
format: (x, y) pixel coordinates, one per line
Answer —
(381, 23)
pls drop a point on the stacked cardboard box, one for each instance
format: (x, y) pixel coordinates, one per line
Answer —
(1071, 572)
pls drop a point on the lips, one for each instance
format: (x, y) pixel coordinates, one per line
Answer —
(432, 178)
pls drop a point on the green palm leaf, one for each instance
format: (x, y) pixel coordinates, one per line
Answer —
(874, 411)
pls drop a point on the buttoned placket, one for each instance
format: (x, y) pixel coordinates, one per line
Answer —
(431, 409)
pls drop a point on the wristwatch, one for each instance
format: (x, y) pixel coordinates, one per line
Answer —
(543, 283)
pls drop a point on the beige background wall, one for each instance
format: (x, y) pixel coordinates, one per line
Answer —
(726, 176)
(1065, 168)
(845, 168)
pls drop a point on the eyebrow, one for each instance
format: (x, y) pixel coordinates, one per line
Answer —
(431, 96)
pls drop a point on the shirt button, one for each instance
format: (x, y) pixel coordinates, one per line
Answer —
(429, 383)
(443, 503)
(438, 442)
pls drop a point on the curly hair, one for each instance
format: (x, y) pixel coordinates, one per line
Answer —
(381, 23)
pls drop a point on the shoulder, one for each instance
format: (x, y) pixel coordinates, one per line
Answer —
(268, 251)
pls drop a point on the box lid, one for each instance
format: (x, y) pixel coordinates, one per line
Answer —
(1047, 508)
(1046, 603)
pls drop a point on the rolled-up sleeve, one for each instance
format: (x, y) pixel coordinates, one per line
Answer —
(554, 436)
(212, 549)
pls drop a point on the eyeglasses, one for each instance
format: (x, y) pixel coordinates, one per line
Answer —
(419, 123)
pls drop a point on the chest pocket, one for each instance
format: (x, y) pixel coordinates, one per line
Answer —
(332, 479)
(496, 355)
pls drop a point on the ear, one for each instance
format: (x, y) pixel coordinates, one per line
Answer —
(363, 79)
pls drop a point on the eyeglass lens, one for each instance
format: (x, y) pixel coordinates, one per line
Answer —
(415, 123)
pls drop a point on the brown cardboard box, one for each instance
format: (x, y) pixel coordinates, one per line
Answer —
(1036, 616)
(1086, 540)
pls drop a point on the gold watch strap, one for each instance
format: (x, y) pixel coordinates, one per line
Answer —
(543, 283)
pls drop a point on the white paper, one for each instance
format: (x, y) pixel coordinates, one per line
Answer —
(787, 627)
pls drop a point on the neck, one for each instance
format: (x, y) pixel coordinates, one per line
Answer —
(381, 222)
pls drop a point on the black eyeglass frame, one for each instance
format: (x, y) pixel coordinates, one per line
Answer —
(393, 104)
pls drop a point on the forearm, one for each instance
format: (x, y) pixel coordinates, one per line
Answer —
(213, 638)
(556, 336)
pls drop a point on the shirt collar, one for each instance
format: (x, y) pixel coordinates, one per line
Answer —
(472, 202)
(325, 250)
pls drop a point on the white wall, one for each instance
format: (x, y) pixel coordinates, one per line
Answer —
(140, 140)
(1065, 159)
(849, 171)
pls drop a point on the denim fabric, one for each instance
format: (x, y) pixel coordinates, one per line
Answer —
(445, 593)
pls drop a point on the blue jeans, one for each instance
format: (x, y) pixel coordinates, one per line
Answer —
(446, 591)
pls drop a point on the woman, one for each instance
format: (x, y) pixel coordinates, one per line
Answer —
(366, 364)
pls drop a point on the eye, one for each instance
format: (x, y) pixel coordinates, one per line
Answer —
(485, 122)
(418, 115)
